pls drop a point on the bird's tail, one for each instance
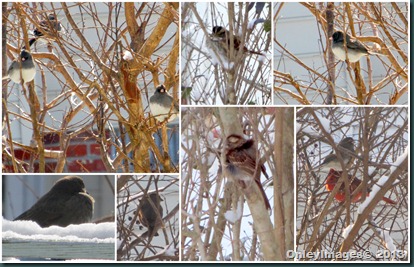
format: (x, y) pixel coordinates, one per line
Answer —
(266, 200)
(31, 41)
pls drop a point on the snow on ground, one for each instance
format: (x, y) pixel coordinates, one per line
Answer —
(23, 231)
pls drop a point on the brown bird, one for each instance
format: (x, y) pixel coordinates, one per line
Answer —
(220, 43)
(241, 163)
(150, 213)
(67, 202)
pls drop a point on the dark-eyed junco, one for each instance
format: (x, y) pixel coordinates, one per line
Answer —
(219, 41)
(354, 48)
(66, 203)
(162, 105)
(24, 65)
(150, 214)
(47, 27)
(242, 164)
(346, 148)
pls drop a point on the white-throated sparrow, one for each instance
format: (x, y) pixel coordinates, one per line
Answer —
(220, 43)
(241, 163)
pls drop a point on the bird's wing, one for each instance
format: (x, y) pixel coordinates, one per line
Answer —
(78, 209)
(353, 43)
(46, 210)
(242, 160)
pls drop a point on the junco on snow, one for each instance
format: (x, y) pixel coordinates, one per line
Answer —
(25, 66)
(354, 48)
(150, 215)
(162, 106)
(66, 203)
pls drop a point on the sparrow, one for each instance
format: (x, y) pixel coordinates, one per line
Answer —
(219, 42)
(67, 202)
(354, 48)
(150, 213)
(345, 147)
(162, 105)
(25, 66)
(47, 27)
(333, 177)
(241, 163)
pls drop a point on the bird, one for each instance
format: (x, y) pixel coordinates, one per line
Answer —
(345, 148)
(67, 202)
(150, 213)
(162, 105)
(47, 27)
(23, 67)
(333, 177)
(241, 163)
(354, 48)
(219, 42)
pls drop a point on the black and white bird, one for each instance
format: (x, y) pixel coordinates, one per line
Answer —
(162, 105)
(66, 203)
(354, 48)
(47, 27)
(22, 68)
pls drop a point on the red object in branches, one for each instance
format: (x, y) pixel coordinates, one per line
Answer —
(332, 179)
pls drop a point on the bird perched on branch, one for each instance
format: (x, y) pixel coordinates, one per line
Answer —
(219, 42)
(150, 213)
(162, 105)
(66, 203)
(22, 67)
(334, 176)
(345, 148)
(242, 163)
(343, 46)
(47, 28)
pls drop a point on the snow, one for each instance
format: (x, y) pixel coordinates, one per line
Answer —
(326, 124)
(170, 250)
(389, 242)
(127, 56)
(233, 216)
(346, 230)
(377, 186)
(399, 160)
(23, 231)
(261, 58)
(251, 24)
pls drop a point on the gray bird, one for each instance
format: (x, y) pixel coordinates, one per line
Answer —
(332, 162)
(25, 66)
(354, 48)
(162, 106)
(67, 202)
(150, 213)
